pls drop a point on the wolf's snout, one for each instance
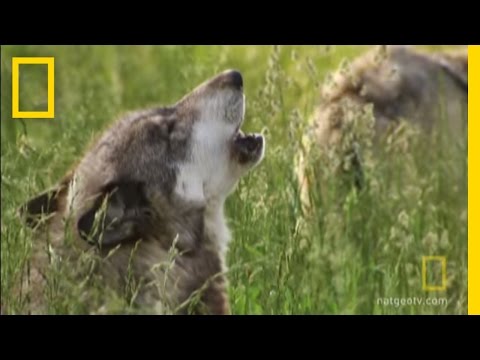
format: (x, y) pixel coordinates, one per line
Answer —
(233, 78)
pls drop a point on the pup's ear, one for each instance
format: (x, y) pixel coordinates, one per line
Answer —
(41, 205)
(119, 214)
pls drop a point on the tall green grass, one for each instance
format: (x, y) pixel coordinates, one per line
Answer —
(352, 249)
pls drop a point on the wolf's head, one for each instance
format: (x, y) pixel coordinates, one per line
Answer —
(218, 152)
(158, 160)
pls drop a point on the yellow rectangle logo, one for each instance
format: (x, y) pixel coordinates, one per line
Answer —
(435, 287)
(16, 113)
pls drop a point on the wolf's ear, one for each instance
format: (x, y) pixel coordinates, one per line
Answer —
(456, 65)
(119, 214)
(41, 205)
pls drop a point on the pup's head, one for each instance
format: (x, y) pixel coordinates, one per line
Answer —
(156, 160)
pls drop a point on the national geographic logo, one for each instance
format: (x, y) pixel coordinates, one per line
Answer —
(16, 112)
(434, 273)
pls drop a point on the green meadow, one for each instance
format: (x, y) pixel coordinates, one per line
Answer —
(353, 252)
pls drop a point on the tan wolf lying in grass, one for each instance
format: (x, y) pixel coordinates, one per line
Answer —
(148, 200)
(394, 83)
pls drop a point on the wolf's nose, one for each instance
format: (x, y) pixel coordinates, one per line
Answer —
(234, 78)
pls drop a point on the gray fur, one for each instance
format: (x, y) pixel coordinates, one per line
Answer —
(402, 83)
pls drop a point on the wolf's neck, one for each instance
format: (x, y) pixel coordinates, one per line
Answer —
(216, 230)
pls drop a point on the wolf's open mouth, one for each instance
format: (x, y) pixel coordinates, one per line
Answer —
(247, 147)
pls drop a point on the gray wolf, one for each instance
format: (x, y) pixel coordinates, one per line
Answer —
(153, 185)
(393, 84)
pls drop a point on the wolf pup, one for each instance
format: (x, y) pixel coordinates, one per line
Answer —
(156, 180)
